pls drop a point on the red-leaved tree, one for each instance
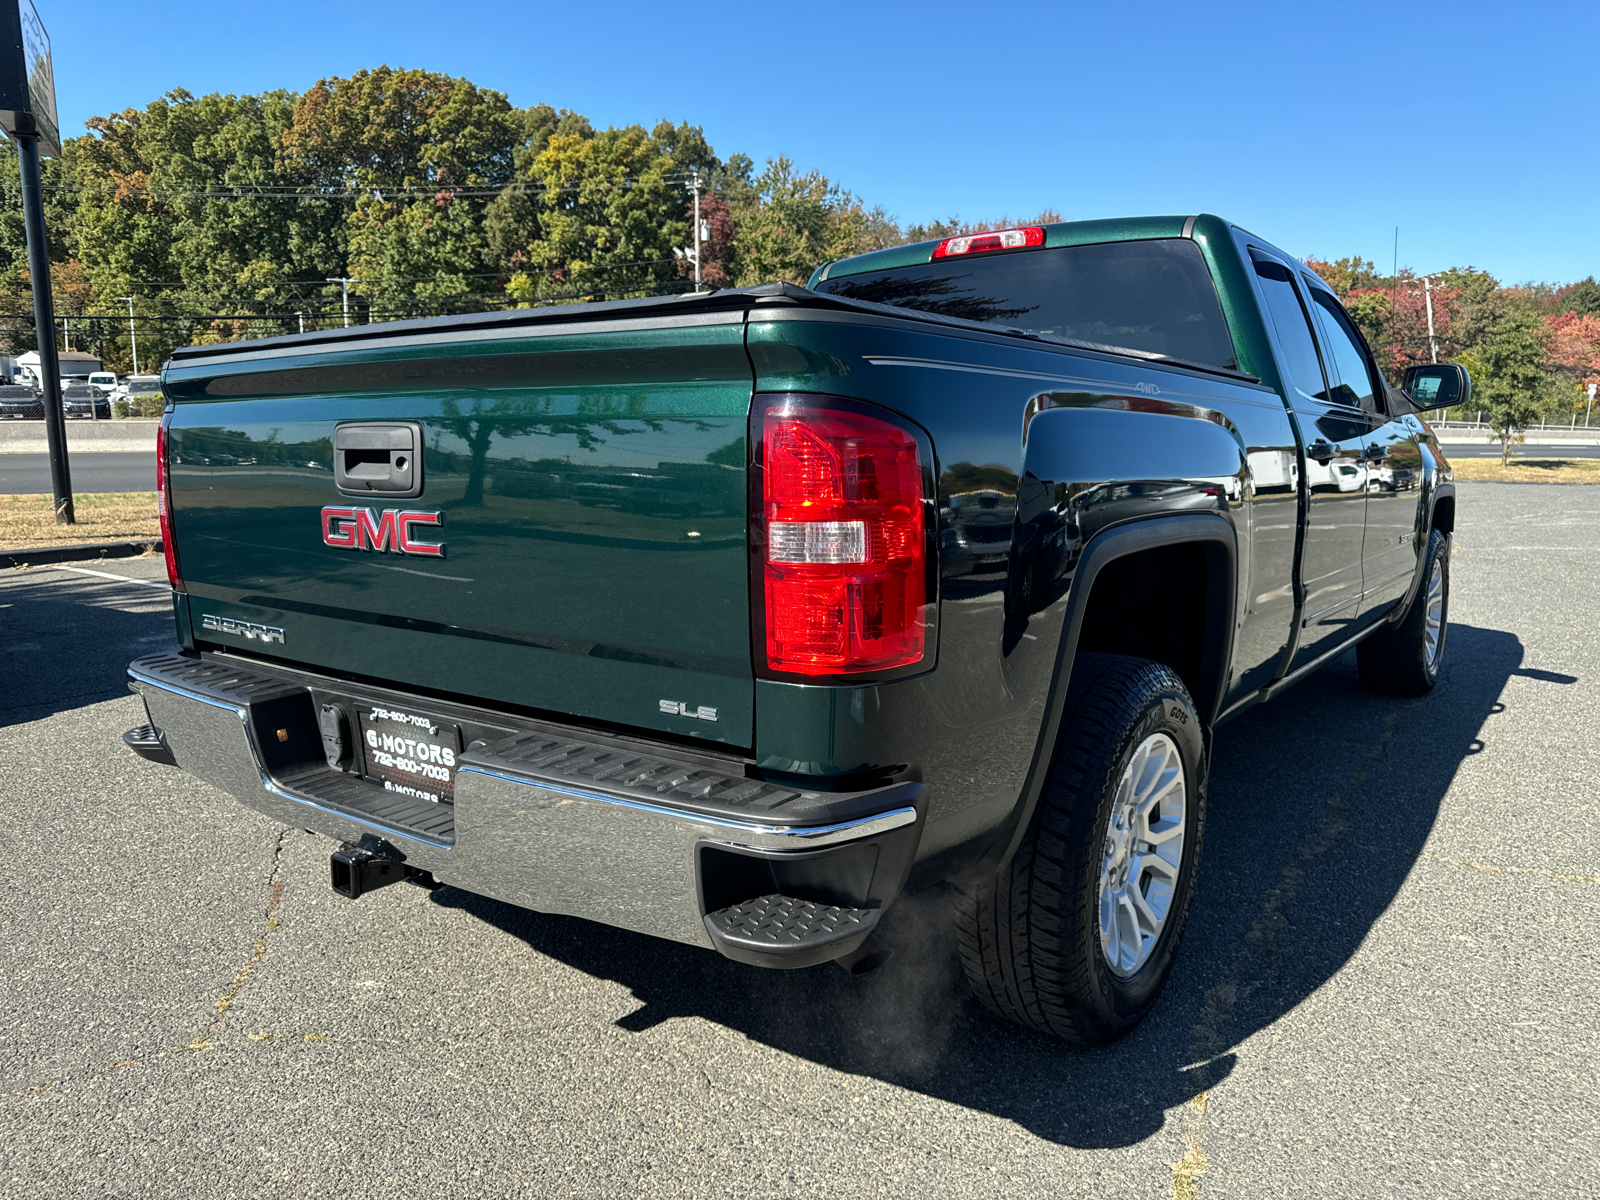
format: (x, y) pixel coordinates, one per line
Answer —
(1575, 345)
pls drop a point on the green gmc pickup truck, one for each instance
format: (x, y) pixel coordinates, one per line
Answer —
(729, 618)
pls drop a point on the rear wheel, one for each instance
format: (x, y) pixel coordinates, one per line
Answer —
(1404, 659)
(1076, 936)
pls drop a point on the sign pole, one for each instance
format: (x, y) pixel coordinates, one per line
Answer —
(28, 116)
(44, 326)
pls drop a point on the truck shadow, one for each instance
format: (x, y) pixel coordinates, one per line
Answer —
(68, 639)
(1320, 804)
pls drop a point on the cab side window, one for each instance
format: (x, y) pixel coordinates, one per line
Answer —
(1302, 371)
(1349, 374)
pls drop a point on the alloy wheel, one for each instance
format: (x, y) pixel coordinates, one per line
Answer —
(1143, 854)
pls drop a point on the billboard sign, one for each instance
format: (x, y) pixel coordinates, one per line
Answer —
(27, 78)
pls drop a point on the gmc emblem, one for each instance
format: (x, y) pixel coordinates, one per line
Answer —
(362, 529)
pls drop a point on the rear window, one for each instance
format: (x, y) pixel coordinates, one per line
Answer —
(144, 385)
(1155, 296)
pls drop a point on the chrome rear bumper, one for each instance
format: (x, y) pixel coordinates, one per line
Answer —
(600, 850)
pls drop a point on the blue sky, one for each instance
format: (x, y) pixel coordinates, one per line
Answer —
(1472, 127)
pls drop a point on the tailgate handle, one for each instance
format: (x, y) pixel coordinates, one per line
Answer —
(378, 458)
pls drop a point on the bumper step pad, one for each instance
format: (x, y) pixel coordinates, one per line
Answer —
(146, 741)
(784, 931)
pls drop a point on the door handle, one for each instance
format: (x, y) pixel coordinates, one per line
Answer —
(1322, 451)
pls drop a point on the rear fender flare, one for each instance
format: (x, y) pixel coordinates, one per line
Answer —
(1212, 531)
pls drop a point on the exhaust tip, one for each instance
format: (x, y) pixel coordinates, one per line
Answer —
(868, 956)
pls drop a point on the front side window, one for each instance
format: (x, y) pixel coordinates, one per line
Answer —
(1154, 296)
(1351, 381)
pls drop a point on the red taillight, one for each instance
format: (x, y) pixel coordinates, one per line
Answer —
(845, 560)
(982, 243)
(164, 505)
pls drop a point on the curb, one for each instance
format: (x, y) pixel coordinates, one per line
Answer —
(45, 555)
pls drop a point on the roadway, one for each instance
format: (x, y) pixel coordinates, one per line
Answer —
(92, 471)
(1388, 986)
(1530, 450)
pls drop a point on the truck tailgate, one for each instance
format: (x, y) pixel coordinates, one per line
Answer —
(589, 486)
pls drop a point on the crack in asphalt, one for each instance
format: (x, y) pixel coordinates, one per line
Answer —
(274, 897)
(205, 1041)
(1207, 1041)
(210, 1038)
(1490, 869)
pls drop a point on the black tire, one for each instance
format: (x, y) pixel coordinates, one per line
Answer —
(1396, 659)
(1030, 936)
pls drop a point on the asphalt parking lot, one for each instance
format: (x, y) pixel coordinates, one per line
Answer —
(1389, 986)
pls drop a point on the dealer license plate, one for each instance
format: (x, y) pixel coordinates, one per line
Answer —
(410, 753)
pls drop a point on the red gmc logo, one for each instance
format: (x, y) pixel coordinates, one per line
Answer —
(363, 529)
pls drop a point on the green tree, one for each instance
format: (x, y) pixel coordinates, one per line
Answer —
(16, 300)
(424, 155)
(609, 209)
(1511, 385)
(511, 223)
(177, 205)
(789, 224)
(1582, 297)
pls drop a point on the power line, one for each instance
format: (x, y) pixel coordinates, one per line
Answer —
(488, 302)
(380, 192)
(502, 274)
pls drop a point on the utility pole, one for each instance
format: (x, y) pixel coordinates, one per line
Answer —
(302, 317)
(1433, 342)
(344, 288)
(1590, 412)
(44, 325)
(133, 335)
(695, 177)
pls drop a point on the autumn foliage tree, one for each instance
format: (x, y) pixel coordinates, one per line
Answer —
(225, 216)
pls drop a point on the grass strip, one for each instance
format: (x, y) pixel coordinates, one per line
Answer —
(29, 521)
(1528, 470)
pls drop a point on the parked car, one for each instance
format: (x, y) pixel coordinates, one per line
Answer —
(20, 402)
(105, 381)
(1394, 479)
(83, 401)
(138, 391)
(719, 667)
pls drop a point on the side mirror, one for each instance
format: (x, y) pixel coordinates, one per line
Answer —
(1437, 385)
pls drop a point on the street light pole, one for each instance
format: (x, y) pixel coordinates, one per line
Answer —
(44, 325)
(1433, 342)
(696, 178)
(344, 288)
(133, 335)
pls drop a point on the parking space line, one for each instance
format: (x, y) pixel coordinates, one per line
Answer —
(108, 575)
